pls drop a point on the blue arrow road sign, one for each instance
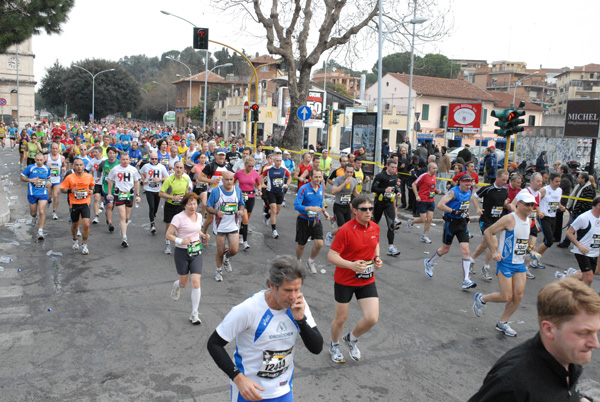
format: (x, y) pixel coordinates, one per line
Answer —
(304, 113)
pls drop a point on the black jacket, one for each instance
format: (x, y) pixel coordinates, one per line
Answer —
(528, 373)
(383, 181)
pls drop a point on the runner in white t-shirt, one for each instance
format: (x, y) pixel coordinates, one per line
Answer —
(127, 180)
(265, 327)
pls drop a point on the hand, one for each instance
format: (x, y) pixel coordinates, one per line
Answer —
(186, 241)
(535, 255)
(285, 185)
(480, 212)
(220, 214)
(205, 236)
(298, 307)
(138, 199)
(177, 198)
(110, 197)
(388, 190)
(583, 249)
(215, 181)
(326, 214)
(497, 256)
(418, 198)
(378, 262)
(358, 266)
(562, 208)
(248, 388)
(542, 215)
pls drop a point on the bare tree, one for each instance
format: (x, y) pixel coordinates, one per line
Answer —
(300, 31)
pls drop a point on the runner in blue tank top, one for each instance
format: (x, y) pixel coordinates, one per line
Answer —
(455, 205)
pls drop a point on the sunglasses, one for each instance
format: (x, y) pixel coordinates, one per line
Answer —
(365, 209)
(153, 159)
(528, 204)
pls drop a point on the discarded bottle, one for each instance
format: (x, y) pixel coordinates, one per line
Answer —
(5, 260)
(1, 269)
(51, 252)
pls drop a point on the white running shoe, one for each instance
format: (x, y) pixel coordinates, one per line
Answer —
(246, 245)
(425, 239)
(227, 264)
(336, 353)
(96, 220)
(84, 249)
(195, 319)
(54, 216)
(75, 245)
(486, 273)
(428, 268)
(167, 249)
(311, 266)
(468, 284)
(504, 327)
(175, 292)
(40, 234)
(354, 352)
(78, 233)
(393, 251)
(219, 275)
(275, 234)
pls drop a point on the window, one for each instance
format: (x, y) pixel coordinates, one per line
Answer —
(484, 116)
(531, 121)
(425, 112)
(264, 69)
(443, 116)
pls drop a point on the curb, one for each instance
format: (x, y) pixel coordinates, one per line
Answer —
(4, 209)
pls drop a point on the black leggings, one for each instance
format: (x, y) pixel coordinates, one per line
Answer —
(387, 208)
(153, 204)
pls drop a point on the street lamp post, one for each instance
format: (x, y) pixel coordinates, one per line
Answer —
(190, 71)
(382, 38)
(206, 89)
(94, 85)
(144, 89)
(167, 89)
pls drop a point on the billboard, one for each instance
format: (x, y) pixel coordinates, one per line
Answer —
(464, 118)
(364, 128)
(582, 118)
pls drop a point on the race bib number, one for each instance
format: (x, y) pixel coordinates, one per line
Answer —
(124, 196)
(153, 184)
(552, 207)
(595, 241)
(345, 199)
(387, 196)
(368, 272)
(496, 212)
(245, 196)
(533, 215)
(195, 249)
(81, 194)
(164, 162)
(176, 202)
(521, 246)
(54, 172)
(145, 157)
(359, 180)
(311, 214)
(134, 160)
(275, 363)
(125, 143)
(40, 183)
(229, 208)
(431, 194)
(278, 182)
(464, 205)
(201, 184)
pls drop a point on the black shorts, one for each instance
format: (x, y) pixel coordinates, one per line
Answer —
(586, 263)
(79, 210)
(342, 214)
(483, 226)
(455, 227)
(97, 188)
(533, 231)
(423, 207)
(275, 198)
(170, 211)
(128, 202)
(250, 204)
(184, 264)
(547, 224)
(200, 190)
(306, 229)
(343, 293)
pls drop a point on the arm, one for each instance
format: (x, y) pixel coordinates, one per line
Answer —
(337, 189)
(446, 199)
(416, 191)
(573, 238)
(110, 184)
(490, 235)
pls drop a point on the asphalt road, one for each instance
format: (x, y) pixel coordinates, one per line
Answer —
(103, 327)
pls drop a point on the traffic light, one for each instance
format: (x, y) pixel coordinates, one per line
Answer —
(514, 121)
(200, 38)
(326, 116)
(336, 117)
(201, 117)
(245, 116)
(255, 112)
(502, 116)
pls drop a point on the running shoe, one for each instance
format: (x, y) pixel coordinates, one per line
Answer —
(54, 216)
(78, 233)
(175, 292)
(227, 264)
(266, 220)
(393, 251)
(397, 223)
(111, 228)
(433, 224)
(219, 275)
(409, 225)
(153, 228)
(504, 327)
(559, 275)
(570, 271)
(167, 249)
(336, 353)
(535, 263)
(84, 249)
(311, 266)
(101, 206)
(241, 239)
(472, 267)
(328, 239)
(283, 204)
(195, 319)
(486, 273)
(75, 245)
(275, 234)
(246, 245)
(354, 352)
(468, 284)
(34, 221)
(529, 274)
(96, 220)
(40, 234)
(478, 304)
(425, 239)
(428, 268)
(124, 242)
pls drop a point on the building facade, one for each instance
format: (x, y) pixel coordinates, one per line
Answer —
(17, 83)
(581, 82)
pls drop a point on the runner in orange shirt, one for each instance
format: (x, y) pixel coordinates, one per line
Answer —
(79, 185)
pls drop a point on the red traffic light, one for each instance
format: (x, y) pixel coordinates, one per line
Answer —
(254, 107)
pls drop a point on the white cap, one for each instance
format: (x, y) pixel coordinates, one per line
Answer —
(277, 150)
(525, 196)
(286, 152)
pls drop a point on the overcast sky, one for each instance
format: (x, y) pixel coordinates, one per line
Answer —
(548, 33)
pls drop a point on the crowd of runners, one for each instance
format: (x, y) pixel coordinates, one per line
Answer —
(211, 185)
